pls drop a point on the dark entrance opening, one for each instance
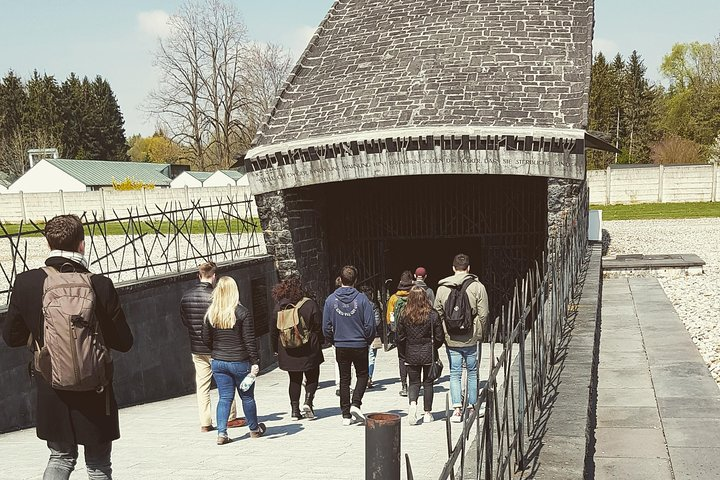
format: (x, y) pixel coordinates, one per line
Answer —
(387, 225)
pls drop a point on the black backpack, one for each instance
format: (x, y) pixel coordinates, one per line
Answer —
(458, 312)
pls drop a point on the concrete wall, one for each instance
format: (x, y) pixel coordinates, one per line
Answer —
(654, 184)
(159, 365)
(38, 206)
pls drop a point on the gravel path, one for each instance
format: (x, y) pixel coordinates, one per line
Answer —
(696, 298)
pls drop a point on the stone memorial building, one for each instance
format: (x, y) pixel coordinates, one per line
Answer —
(411, 130)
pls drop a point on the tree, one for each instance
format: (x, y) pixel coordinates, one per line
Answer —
(677, 150)
(74, 104)
(43, 112)
(14, 150)
(691, 106)
(105, 130)
(639, 104)
(210, 91)
(13, 101)
(156, 149)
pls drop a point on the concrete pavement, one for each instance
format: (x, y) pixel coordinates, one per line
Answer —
(658, 408)
(162, 439)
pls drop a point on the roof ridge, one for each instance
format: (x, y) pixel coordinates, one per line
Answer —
(293, 73)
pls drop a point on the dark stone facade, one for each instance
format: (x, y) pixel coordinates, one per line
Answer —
(376, 65)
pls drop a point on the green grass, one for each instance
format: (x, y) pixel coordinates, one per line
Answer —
(648, 211)
(118, 228)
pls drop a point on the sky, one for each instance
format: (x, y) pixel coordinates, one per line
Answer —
(116, 39)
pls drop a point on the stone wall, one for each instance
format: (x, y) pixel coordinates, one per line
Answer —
(292, 222)
(561, 194)
(159, 365)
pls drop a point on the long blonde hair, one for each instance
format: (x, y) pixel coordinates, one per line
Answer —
(225, 298)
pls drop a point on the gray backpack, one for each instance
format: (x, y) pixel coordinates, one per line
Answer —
(74, 356)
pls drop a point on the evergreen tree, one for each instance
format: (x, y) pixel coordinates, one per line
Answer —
(42, 112)
(74, 103)
(638, 107)
(106, 132)
(13, 101)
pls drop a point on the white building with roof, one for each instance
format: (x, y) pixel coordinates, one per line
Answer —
(222, 178)
(190, 179)
(56, 174)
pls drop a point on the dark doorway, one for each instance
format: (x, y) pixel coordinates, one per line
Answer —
(387, 225)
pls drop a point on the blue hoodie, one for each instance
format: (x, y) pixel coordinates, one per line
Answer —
(348, 319)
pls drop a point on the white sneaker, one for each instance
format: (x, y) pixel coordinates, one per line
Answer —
(347, 422)
(456, 417)
(428, 417)
(412, 414)
(357, 414)
(481, 410)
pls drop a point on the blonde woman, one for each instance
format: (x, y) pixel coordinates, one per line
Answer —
(228, 333)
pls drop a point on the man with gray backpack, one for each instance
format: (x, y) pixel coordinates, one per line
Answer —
(71, 319)
(462, 304)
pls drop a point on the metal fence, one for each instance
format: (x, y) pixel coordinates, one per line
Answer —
(531, 327)
(138, 243)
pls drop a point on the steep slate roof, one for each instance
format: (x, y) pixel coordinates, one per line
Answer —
(376, 65)
(102, 172)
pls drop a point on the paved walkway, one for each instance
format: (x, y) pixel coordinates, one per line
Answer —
(162, 439)
(658, 409)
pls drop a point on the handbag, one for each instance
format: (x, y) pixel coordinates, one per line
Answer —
(436, 367)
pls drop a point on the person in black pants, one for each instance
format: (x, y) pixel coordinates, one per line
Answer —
(421, 334)
(304, 360)
(349, 323)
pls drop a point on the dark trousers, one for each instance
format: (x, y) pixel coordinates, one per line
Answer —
(311, 384)
(414, 372)
(346, 358)
(403, 367)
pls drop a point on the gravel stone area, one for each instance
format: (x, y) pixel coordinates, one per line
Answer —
(696, 298)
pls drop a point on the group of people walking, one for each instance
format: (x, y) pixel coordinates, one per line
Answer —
(76, 404)
(418, 324)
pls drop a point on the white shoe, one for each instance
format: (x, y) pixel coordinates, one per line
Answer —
(428, 417)
(481, 410)
(347, 422)
(456, 417)
(412, 414)
(357, 414)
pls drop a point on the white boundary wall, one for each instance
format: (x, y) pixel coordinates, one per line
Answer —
(654, 184)
(15, 207)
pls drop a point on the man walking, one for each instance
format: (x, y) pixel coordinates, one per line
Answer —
(462, 304)
(66, 418)
(349, 323)
(420, 276)
(193, 306)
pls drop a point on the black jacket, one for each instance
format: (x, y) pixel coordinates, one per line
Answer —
(63, 416)
(235, 344)
(308, 356)
(193, 306)
(416, 339)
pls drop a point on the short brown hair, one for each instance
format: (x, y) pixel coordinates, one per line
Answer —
(348, 276)
(461, 262)
(207, 269)
(64, 232)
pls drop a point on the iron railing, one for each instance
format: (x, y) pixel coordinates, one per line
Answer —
(531, 327)
(138, 243)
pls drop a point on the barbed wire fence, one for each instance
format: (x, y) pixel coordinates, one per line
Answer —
(143, 242)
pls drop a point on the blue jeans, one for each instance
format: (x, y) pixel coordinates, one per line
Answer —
(456, 355)
(228, 377)
(372, 353)
(63, 456)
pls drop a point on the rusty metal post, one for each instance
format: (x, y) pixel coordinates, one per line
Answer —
(382, 446)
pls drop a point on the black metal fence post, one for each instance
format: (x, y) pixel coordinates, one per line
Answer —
(382, 446)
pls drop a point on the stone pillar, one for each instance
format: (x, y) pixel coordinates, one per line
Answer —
(561, 193)
(294, 235)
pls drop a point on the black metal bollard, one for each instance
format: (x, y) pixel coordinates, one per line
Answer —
(382, 446)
